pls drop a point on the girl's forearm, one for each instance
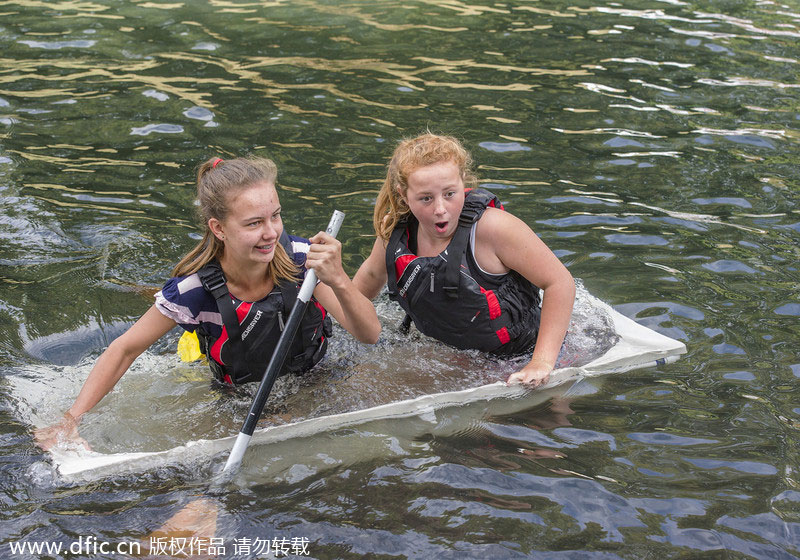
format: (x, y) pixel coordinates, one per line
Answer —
(107, 371)
(556, 313)
(359, 315)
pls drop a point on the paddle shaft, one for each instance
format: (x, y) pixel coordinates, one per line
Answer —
(278, 356)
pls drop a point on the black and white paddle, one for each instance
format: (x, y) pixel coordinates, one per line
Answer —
(277, 360)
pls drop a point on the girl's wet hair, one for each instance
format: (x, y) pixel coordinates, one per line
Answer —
(218, 182)
(410, 155)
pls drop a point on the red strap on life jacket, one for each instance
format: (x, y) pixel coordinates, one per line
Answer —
(494, 312)
(503, 335)
(494, 304)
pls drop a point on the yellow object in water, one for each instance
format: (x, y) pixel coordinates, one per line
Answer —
(189, 347)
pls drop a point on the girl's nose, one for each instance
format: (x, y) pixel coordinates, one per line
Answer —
(269, 230)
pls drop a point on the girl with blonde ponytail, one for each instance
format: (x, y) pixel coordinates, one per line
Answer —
(216, 178)
(235, 289)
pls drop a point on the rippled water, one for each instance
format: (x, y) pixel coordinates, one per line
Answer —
(653, 145)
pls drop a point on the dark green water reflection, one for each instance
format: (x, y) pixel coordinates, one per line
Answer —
(653, 145)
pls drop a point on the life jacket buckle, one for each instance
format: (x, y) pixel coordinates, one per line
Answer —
(467, 218)
(214, 283)
(470, 213)
(213, 280)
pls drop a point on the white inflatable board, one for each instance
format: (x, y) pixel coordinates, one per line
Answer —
(637, 347)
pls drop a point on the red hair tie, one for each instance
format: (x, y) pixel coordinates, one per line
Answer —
(216, 161)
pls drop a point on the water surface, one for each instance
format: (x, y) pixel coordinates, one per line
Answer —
(653, 145)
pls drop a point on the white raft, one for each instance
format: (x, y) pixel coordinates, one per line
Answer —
(637, 347)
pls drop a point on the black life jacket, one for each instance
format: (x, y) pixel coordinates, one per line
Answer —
(251, 330)
(450, 299)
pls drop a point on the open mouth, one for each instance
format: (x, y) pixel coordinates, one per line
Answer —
(265, 248)
(441, 227)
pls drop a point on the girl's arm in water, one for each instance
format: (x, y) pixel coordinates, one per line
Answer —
(514, 245)
(337, 293)
(107, 370)
(371, 276)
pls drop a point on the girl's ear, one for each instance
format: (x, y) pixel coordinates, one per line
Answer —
(216, 228)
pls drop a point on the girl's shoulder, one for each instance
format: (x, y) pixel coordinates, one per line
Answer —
(183, 287)
(298, 248)
(185, 300)
(500, 228)
(495, 219)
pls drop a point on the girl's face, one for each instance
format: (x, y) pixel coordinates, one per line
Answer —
(253, 225)
(435, 196)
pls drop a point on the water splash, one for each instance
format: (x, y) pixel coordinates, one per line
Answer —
(161, 403)
(590, 333)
